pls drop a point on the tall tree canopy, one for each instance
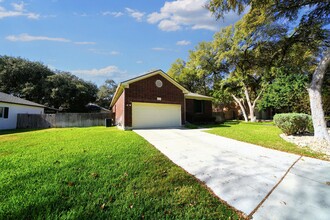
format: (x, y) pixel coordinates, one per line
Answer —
(105, 93)
(310, 31)
(24, 78)
(68, 92)
(36, 82)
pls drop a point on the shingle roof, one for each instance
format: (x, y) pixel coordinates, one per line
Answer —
(15, 100)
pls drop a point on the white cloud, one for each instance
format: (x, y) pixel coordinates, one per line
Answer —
(139, 62)
(84, 43)
(100, 75)
(104, 52)
(106, 71)
(183, 43)
(82, 14)
(18, 6)
(114, 52)
(112, 13)
(169, 25)
(27, 38)
(137, 15)
(192, 14)
(18, 11)
(160, 49)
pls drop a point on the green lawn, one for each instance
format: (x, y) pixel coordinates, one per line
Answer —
(261, 133)
(96, 173)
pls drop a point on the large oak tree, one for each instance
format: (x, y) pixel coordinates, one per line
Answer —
(311, 31)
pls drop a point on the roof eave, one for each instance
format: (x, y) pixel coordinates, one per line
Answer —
(37, 105)
(198, 97)
(117, 94)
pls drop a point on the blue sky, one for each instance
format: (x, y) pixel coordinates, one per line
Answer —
(105, 39)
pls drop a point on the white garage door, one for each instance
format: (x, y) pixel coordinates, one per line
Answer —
(151, 115)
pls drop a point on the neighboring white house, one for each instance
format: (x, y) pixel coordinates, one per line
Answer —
(11, 105)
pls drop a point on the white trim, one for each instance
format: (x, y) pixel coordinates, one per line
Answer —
(197, 96)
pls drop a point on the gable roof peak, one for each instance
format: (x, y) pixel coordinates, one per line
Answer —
(123, 84)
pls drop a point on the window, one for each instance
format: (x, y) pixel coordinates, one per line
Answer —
(159, 83)
(4, 112)
(199, 106)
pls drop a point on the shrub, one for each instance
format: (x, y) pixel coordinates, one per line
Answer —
(294, 123)
(310, 127)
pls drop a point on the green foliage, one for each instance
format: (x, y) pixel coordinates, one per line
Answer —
(36, 82)
(105, 93)
(326, 93)
(287, 93)
(185, 76)
(24, 78)
(97, 173)
(307, 25)
(69, 92)
(314, 11)
(293, 123)
(261, 133)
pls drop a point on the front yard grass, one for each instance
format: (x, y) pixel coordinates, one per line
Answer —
(265, 134)
(96, 173)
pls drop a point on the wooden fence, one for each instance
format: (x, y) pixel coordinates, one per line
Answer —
(61, 120)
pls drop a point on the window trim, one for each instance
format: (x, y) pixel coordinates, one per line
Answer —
(4, 112)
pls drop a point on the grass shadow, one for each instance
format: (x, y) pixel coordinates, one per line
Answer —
(233, 122)
(215, 126)
(15, 131)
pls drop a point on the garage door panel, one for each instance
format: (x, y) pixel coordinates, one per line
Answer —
(152, 115)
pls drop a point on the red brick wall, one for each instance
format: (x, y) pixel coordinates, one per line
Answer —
(208, 108)
(118, 110)
(189, 106)
(190, 113)
(146, 90)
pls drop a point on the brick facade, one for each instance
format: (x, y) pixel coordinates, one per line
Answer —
(192, 116)
(118, 110)
(145, 90)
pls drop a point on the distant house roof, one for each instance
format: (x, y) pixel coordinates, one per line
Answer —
(96, 107)
(191, 95)
(4, 97)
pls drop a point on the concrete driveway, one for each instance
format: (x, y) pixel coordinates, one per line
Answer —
(262, 183)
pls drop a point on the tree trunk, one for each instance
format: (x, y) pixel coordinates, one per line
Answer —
(251, 107)
(314, 91)
(238, 101)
